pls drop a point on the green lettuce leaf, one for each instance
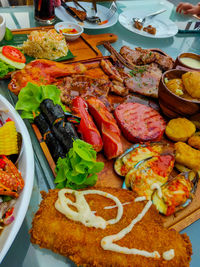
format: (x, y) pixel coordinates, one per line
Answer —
(81, 166)
(32, 95)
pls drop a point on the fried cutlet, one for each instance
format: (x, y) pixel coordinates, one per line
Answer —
(52, 230)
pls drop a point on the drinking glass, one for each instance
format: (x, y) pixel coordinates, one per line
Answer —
(44, 11)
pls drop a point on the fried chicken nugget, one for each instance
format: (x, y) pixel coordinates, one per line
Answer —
(194, 141)
(191, 81)
(180, 129)
(188, 156)
(52, 230)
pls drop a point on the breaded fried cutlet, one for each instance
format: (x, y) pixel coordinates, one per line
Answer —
(53, 230)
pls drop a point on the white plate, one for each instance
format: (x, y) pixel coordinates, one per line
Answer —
(26, 166)
(64, 16)
(164, 27)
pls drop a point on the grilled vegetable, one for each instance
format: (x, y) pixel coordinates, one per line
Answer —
(136, 153)
(87, 128)
(150, 171)
(108, 127)
(176, 194)
(139, 123)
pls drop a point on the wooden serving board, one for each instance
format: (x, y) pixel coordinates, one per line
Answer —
(108, 178)
(83, 48)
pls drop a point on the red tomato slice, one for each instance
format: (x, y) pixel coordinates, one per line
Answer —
(13, 54)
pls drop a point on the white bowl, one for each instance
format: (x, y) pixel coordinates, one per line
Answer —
(69, 25)
(2, 27)
(26, 167)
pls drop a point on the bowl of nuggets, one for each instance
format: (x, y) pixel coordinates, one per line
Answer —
(179, 93)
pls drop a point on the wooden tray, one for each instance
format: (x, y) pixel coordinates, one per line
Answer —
(82, 48)
(108, 177)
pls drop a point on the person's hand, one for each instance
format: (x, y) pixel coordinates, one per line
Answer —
(187, 8)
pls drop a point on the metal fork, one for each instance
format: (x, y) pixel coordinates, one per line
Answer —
(111, 11)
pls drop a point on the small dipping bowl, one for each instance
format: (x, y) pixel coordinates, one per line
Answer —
(69, 25)
(172, 105)
(187, 60)
(2, 27)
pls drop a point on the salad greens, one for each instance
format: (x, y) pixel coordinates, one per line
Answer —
(79, 168)
(32, 95)
(5, 69)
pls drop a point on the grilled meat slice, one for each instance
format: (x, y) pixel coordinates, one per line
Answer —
(110, 70)
(141, 56)
(145, 80)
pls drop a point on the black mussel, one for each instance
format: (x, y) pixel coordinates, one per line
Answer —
(125, 162)
(149, 173)
(51, 112)
(176, 194)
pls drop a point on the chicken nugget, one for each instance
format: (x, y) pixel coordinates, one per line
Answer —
(180, 129)
(191, 81)
(188, 156)
(194, 141)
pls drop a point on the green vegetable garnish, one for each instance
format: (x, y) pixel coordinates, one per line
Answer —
(79, 169)
(6, 198)
(137, 70)
(32, 95)
(8, 35)
(5, 69)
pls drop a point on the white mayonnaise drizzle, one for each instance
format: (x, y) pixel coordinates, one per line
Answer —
(168, 255)
(138, 199)
(157, 186)
(84, 213)
(115, 206)
(87, 217)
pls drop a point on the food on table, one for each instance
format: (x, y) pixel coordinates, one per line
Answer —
(191, 81)
(145, 80)
(194, 141)
(180, 129)
(79, 13)
(110, 70)
(150, 29)
(141, 56)
(45, 44)
(92, 246)
(8, 138)
(176, 86)
(139, 123)
(61, 129)
(176, 193)
(31, 96)
(68, 31)
(53, 144)
(149, 174)
(187, 156)
(79, 168)
(181, 168)
(11, 59)
(127, 161)
(137, 25)
(42, 72)
(86, 128)
(107, 125)
(84, 86)
(191, 62)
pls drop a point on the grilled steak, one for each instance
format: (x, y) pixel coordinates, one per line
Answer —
(145, 80)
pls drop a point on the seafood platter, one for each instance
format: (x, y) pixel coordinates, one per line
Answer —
(16, 172)
(100, 125)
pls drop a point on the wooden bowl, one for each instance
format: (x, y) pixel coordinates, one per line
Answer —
(174, 106)
(178, 61)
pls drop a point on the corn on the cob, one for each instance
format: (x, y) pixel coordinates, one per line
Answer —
(8, 139)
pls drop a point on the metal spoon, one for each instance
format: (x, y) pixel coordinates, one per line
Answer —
(142, 20)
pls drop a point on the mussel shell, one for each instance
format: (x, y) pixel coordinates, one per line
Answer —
(192, 176)
(119, 161)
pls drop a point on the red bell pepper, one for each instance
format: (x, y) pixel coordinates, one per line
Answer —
(87, 128)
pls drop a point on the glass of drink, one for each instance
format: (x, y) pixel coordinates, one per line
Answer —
(44, 11)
